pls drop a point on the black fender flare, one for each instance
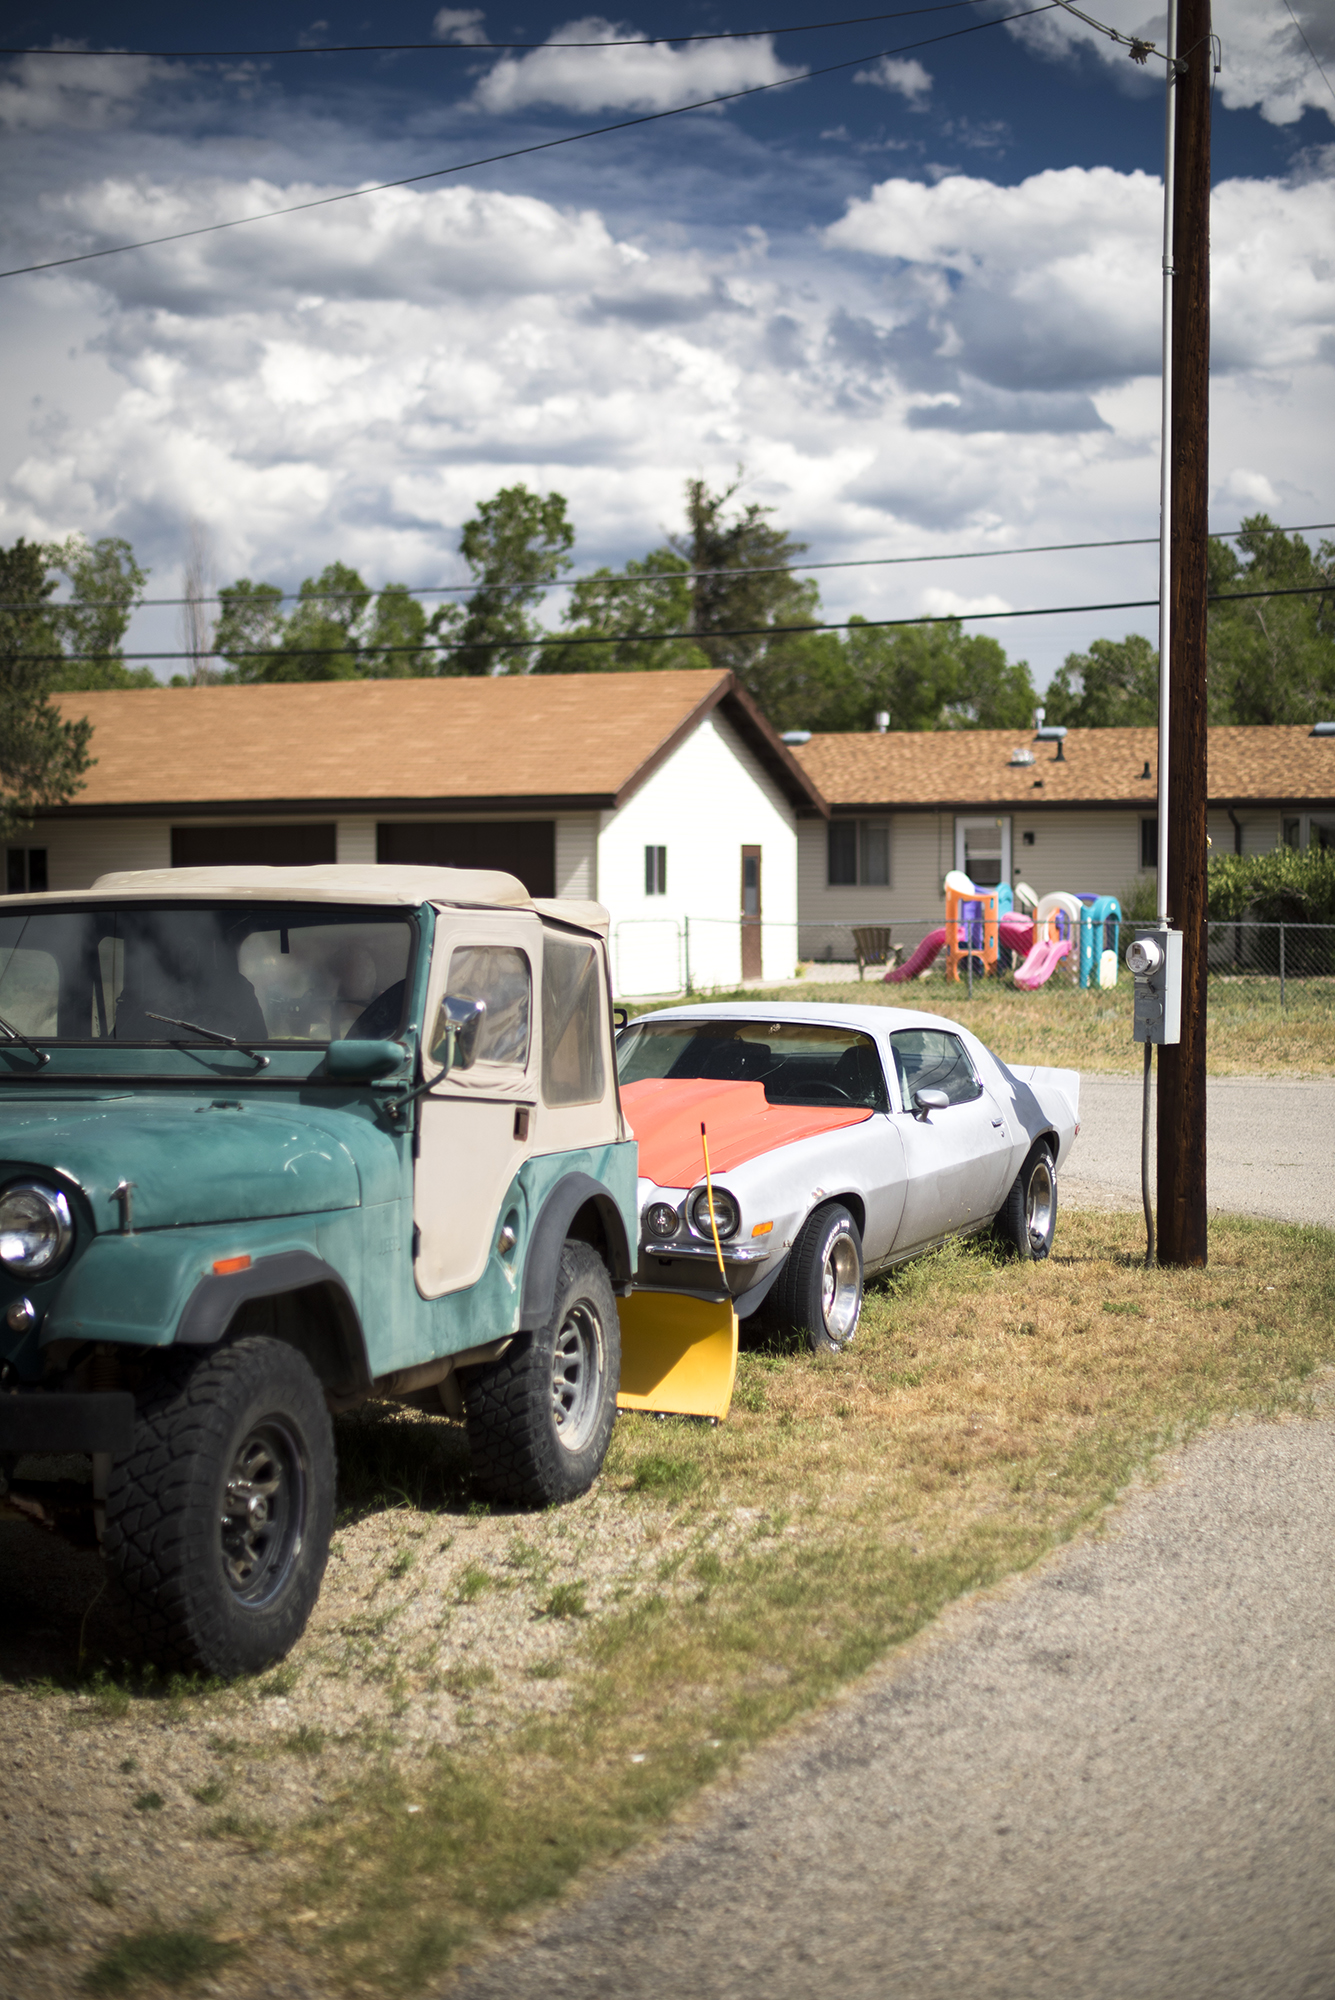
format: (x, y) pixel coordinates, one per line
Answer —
(542, 1263)
(214, 1302)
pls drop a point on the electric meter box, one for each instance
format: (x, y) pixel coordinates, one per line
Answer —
(1154, 958)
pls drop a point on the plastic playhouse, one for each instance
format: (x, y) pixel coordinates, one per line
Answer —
(985, 929)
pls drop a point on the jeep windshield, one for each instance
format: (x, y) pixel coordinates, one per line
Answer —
(798, 1062)
(135, 972)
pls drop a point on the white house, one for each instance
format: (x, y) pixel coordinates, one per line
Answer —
(663, 795)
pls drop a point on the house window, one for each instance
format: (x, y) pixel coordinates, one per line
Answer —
(25, 870)
(1292, 832)
(858, 854)
(655, 871)
(1149, 843)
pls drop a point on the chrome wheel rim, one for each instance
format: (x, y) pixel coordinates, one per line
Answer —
(1040, 1202)
(840, 1289)
(264, 1512)
(578, 1366)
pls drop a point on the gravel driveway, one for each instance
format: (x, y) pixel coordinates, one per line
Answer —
(1111, 1782)
(1271, 1147)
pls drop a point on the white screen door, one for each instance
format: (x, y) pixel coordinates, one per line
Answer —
(983, 851)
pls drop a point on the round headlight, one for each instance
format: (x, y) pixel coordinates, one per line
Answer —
(35, 1229)
(727, 1215)
(661, 1219)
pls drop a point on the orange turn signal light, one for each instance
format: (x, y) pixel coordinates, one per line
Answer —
(762, 1229)
(226, 1265)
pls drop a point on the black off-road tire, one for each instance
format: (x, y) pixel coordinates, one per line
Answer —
(818, 1294)
(218, 1523)
(540, 1418)
(1027, 1220)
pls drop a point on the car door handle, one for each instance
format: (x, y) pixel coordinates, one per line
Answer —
(998, 1121)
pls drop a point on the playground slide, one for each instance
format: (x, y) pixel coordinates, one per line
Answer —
(1042, 962)
(1016, 933)
(921, 959)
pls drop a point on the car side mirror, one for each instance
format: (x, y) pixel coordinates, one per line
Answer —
(458, 1024)
(363, 1062)
(929, 1100)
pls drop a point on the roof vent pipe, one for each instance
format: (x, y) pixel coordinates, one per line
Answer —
(796, 736)
(1039, 713)
(1323, 729)
(882, 720)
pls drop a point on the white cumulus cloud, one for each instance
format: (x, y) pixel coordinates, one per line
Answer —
(46, 92)
(907, 78)
(459, 24)
(639, 78)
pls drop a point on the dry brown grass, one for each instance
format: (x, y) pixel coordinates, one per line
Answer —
(489, 1704)
(1247, 1033)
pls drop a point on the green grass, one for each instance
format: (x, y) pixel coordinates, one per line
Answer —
(159, 1955)
(986, 1413)
(1073, 1027)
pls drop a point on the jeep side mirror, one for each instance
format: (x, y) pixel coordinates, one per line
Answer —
(458, 1024)
(929, 1100)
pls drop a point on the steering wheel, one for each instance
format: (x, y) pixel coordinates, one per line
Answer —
(836, 1091)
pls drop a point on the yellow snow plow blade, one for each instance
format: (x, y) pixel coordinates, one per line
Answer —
(678, 1354)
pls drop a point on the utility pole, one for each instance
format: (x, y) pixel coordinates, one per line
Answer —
(1181, 1108)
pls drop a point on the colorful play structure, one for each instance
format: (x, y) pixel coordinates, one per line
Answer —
(986, 929)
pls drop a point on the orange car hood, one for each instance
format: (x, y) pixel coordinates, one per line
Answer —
(665, 1114)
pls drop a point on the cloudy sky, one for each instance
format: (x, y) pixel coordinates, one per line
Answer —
(916, 296)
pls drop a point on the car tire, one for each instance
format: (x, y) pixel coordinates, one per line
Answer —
(540, 1417)
(1027, 1220)
(820, 1288)
(218, 1523)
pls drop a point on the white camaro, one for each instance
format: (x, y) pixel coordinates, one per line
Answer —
(842, 1140)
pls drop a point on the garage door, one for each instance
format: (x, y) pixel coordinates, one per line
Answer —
(522, 847)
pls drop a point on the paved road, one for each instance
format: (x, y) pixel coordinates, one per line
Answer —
(1271, 1147)
(1115, 1781)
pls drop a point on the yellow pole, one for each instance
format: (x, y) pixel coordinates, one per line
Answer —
(709, 1196)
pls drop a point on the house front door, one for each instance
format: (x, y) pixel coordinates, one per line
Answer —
(752, 954)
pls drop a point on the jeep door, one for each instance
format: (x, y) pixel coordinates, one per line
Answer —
(476, 1124)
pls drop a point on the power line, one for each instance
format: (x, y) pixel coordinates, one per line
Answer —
(481, 48)
(1310, 50)
(700, 639)
(655, 575)
(520, 152)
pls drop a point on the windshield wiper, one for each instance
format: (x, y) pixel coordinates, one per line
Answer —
(211, 1034)
(17, 1035)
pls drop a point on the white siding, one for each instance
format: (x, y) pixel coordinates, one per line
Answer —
(1260, 829)
(577, 856)
(356, 841)
(79, 850)
(1098, 851)
(709, 800)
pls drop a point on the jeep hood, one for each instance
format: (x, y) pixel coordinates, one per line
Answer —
(188, 1162)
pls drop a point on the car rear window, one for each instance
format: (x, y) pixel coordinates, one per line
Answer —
(798, 1062)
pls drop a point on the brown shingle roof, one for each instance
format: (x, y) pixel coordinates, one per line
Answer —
(516, 741)
(905, 768)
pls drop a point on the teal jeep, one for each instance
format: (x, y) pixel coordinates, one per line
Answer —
(274, 1141)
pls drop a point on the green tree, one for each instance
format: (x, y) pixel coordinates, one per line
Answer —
(650, 596)
(105, 585)
(1272, 658)
(516, 544)
(396, 643)
(42, 757)
(337, 630)
(1115, 684)
(742, 586)
(323, 633)
(250, 628)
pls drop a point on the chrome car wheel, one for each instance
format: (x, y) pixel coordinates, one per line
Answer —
(841, 1289)
(1040, 1203)
(578, 1368)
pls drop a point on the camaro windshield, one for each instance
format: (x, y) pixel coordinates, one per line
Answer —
(252, 972)
(797, 1062)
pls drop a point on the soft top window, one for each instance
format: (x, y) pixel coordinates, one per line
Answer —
(572, 1039)
(153, 972)
(797, 1061)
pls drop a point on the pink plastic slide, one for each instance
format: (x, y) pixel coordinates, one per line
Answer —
(921, 959)
(1042, 962)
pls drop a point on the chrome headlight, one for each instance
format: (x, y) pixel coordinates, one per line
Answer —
(727, 1215)
(661, 1220)
(36, 1229)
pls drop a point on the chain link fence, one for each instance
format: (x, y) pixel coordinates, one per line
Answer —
(1285, 966)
